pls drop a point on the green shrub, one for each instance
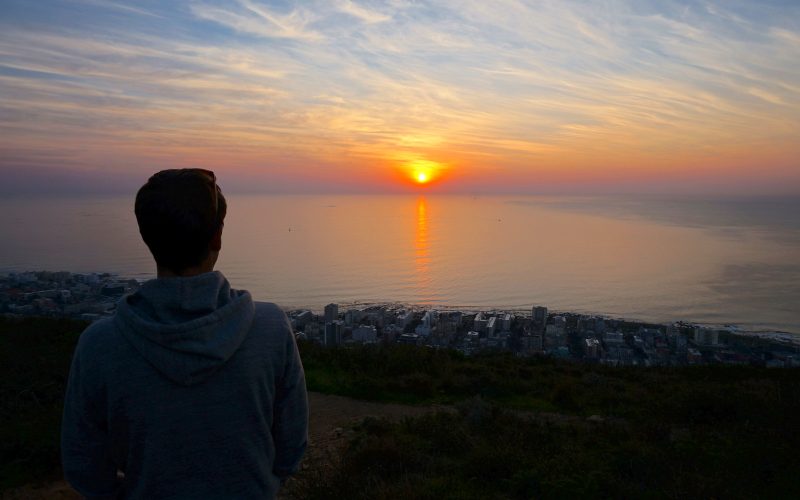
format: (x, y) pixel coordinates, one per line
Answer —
(35, 355)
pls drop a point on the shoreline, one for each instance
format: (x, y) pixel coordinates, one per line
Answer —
(730, 328)
(107, 288)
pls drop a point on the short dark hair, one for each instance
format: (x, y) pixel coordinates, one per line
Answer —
(178, 212)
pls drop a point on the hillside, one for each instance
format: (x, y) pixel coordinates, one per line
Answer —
(491, 426)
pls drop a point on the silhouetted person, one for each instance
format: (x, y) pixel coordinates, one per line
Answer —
(191, 390)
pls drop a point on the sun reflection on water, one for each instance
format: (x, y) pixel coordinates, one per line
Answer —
(421, 254)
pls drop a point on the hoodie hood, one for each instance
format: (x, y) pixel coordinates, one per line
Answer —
(186, 328)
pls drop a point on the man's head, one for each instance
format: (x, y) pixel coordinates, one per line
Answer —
(180, 214)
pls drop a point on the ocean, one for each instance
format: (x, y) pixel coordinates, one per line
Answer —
(712, 261)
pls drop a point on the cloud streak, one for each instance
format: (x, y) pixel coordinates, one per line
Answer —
(257, 19)
(338, 90)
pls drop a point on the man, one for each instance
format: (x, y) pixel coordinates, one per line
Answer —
(191, 390)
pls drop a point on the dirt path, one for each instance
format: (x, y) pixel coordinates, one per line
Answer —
(329, 412)
(330, 423)
(329, 420)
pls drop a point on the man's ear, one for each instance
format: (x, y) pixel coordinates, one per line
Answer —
(216, 240)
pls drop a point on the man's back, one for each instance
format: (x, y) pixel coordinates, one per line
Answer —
(191, 390)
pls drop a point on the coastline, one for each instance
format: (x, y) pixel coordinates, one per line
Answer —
(106, 288)
(788, 337)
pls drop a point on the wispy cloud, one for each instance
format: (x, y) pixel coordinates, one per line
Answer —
(362, 13)
(647, 87)
(120, 6)
(257, 19)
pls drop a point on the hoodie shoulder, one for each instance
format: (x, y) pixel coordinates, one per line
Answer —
(98, 336)
(271, 320)
(98, 345)
(271, 317)
(267, 310)
(273, 333)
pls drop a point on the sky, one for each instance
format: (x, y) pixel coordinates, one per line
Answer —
(468, 96)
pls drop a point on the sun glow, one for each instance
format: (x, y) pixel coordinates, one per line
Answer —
(423, 171)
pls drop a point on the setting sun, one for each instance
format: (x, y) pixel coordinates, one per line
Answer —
(423, 171)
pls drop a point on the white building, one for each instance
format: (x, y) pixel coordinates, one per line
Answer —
(480, 323)
(505, 323)
(490, 326)
(302, 318)
(592, 348)
(365, 334)
(429, 319)
(706, 336)
(614, 338)
(405, 318)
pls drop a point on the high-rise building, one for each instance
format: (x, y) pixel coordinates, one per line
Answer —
(561, 323)
(505, 322)
(331, 312)
(490, 326)
(429, 318)
(479, 324)
(539, 314)
(448, 324)
(333, 333)
(538, 319)
(405, 318)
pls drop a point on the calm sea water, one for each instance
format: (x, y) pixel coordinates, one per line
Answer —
(708, 261)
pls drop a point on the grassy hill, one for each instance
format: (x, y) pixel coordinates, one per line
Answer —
(525, 428)
(536, 428)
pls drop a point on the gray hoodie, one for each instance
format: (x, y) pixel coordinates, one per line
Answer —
(191, 390)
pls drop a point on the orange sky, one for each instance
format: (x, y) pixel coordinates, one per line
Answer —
(345, 96)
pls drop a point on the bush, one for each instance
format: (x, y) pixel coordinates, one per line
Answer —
(35, 355)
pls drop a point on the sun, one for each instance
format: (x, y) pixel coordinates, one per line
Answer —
(423, 172)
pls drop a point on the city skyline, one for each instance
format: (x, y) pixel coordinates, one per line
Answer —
(393, 97)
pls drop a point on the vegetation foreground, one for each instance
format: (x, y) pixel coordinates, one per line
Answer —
(524, 428)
